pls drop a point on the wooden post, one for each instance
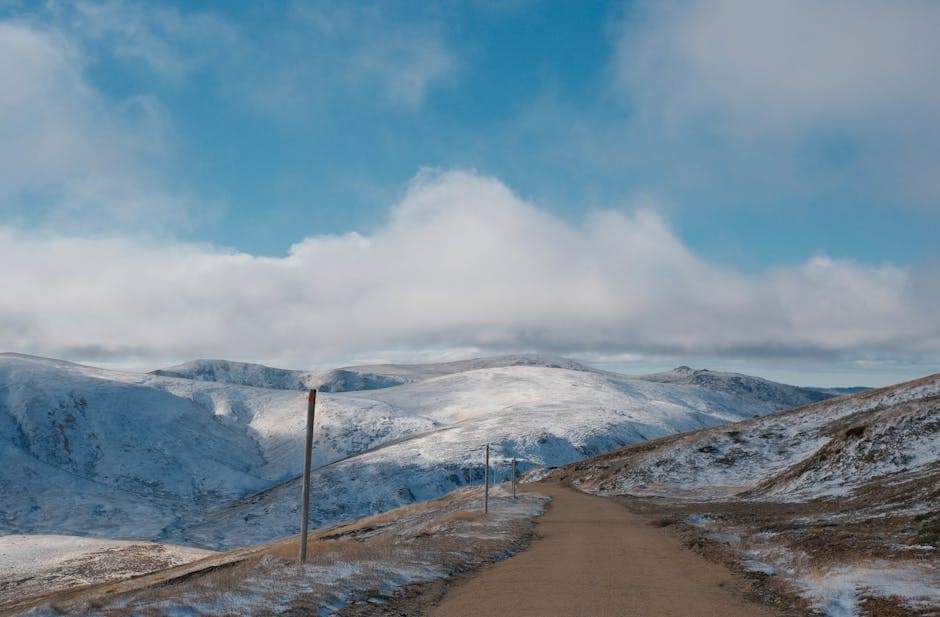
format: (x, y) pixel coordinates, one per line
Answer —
(486, 482)
(513, 477)
(305, 493)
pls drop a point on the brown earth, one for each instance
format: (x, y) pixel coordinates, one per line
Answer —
(595, 558)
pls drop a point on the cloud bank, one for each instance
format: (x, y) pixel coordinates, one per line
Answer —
(461, 262)
(858, 80)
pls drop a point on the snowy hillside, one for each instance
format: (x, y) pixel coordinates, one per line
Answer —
(241, 374)
(350, 378)
(34, 564)
(747, 387)
(126, 455)
(260, 376)
(92, 452)
(825, 448)
(408, 373)
(540, 415)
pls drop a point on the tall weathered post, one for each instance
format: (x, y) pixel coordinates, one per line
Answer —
(305, 493)
(514, 477)
(486, 482)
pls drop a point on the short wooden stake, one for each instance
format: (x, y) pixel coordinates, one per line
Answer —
(305, 493)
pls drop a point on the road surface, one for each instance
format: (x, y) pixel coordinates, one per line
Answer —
(594, 558)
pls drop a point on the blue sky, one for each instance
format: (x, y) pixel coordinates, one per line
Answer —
(766, 141)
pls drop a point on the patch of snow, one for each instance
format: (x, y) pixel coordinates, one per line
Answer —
(699, 520)
(837, 591)
(41, 563)
(755, 565)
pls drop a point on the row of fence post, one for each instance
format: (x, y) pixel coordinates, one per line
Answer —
(469, 476)
(308, 456)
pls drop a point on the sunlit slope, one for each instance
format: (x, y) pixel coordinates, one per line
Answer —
(542, 416)
(828, 448)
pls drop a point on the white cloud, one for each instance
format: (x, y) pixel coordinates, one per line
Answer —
(69, 155)
(461, 263)
(787, 64)
(791, 70)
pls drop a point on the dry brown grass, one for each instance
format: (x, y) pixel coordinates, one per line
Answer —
(450, 521)
(810, 538)
(440, 537)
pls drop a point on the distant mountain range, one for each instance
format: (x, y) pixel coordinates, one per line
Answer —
(209, 453)
(352, 378)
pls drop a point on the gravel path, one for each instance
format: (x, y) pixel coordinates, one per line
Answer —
(593, 558)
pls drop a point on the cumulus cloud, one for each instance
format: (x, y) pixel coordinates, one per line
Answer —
(462, 262)
(862, 74)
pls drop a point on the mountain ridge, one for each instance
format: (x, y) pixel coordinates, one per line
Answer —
(349, 378)
(100, 449)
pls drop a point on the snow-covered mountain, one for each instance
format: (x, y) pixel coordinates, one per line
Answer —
(260, 376)
(747, 387)
(350, 378)
(829, 448)
(214, 464)
(242, 374)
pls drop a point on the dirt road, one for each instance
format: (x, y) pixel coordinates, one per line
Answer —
(596, 559)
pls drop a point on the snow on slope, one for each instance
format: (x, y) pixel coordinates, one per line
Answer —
(126, 455)
(111, 454)
(541, 416)
(744, 386)
(823, 449)
(260, 376)
(900, 438)
(408, 373)
(32, 564)
(80, 450)
(350, 378)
